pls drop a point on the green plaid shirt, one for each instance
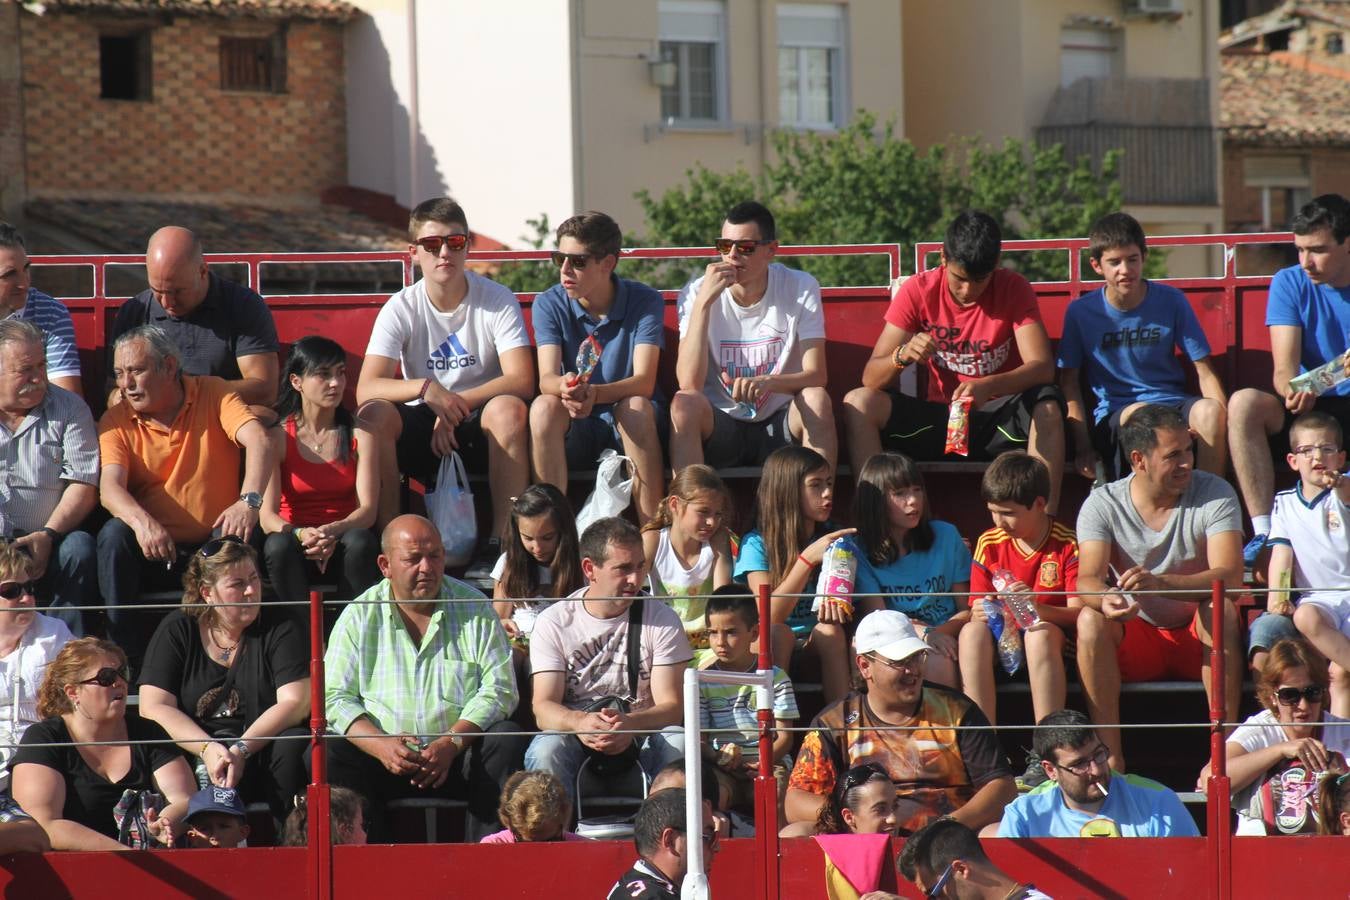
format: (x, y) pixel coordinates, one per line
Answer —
(462, 670)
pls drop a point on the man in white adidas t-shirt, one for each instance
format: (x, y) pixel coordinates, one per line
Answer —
(467, 370)
(751, 363)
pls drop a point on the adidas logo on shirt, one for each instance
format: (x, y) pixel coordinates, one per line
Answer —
(451, 355)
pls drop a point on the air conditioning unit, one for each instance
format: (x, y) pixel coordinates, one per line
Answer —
(1154, 7)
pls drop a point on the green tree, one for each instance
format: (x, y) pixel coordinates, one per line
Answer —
(865, 185)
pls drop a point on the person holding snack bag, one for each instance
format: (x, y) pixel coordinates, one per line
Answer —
(975, 331)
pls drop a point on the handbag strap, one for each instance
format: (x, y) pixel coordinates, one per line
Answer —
(634, 648)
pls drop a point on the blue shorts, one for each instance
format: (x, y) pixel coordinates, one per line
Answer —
(589, 437)
(1268, 630)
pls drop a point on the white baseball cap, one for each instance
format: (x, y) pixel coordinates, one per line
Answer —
(888, 633)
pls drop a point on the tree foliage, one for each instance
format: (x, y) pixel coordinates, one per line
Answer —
(865, 185)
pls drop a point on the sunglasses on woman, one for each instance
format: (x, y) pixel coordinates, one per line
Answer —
(215, 545)
(13, 590)
(107, 677)
(1289, 696)
(433, 243)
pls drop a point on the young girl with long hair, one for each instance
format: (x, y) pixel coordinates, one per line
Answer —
(914, 561)
(784, 550)
(320, 503)
(541, 559)
(688, 547)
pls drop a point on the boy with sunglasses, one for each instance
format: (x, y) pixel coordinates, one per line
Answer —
(751, 364)
(1310, 549)
(467, 375)
(1083, 797)
(617, 405)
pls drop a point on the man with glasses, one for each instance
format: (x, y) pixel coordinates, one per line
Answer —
(220, 328)
(1084, 798)
(460, 341)
(49, 456)
(660, 832)
(1162, 534)
(945, 859)
(171, 450)
(1308, 314)
(617, 405)
(917, 731)
(751, 364)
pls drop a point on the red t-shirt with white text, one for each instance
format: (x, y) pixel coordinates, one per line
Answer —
(972, 341)
(1053, 566)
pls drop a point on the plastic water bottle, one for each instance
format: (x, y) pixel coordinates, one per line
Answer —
(1020, 604)
(1008, 640)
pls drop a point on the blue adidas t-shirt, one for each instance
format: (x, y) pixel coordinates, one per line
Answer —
(1322, 311)
(922, 573)
(1134, 807)
(1129, 355)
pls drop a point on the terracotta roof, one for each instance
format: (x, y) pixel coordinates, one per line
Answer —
(124, 226)
(334, 10)
(1268, 99)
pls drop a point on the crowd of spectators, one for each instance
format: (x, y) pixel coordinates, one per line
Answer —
(219, 472)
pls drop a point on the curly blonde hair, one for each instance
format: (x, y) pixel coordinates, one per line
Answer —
(202, 572)
(531, 801)
(67, 668)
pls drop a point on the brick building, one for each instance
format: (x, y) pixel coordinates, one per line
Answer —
(200, 112)
(1285, 91)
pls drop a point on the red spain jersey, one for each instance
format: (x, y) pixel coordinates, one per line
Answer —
(1053, 566)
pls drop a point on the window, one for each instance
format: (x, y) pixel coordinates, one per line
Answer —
(1335, 43)
(693, 36)
(1284, 184)
(810, 65)
(1088, 53)
(124, 66)
(253, 63)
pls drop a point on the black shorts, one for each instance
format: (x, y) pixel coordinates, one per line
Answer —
(415, 456)
(918, 428)
(1334, 405)
(1106, 438)
(589, 437)
(734, 442)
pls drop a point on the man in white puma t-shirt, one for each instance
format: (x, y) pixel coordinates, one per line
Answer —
(467, 370)
(751, 363)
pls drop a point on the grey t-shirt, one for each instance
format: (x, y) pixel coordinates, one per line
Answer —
(1208, 507)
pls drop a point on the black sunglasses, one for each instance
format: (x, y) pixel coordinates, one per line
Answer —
(1289, 696)
(579, 261)
(13, 590)
(433, 243)
(107, 677)
(860, 775)
(744, 248)
(215, 545)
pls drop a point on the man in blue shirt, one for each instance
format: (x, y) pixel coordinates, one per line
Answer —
(1084, 798)
(618, 406)
(1124, 337)
(1308, 313)
(20, 300)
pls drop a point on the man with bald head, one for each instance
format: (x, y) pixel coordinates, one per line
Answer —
(220, 328)
(418, 670)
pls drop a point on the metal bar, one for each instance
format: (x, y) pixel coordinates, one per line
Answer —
(320, 842)
(1220, 835)
(695, 885)
(766, 787)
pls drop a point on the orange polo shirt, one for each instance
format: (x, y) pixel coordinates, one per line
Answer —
(184, 475)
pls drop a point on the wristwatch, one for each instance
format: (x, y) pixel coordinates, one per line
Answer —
(253, 499)
(241, 746)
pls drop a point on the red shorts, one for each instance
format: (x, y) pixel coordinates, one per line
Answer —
(1150, 653)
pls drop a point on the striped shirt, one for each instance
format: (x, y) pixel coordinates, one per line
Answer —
(462, 670)
(51, 315)
(733, 706)
(54, 444)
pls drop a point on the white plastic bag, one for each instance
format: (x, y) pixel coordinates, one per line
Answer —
(613, 489)
(450, 506)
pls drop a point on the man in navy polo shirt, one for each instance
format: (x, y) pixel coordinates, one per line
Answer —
(220, 328)
(20, 300)
(619, 406)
